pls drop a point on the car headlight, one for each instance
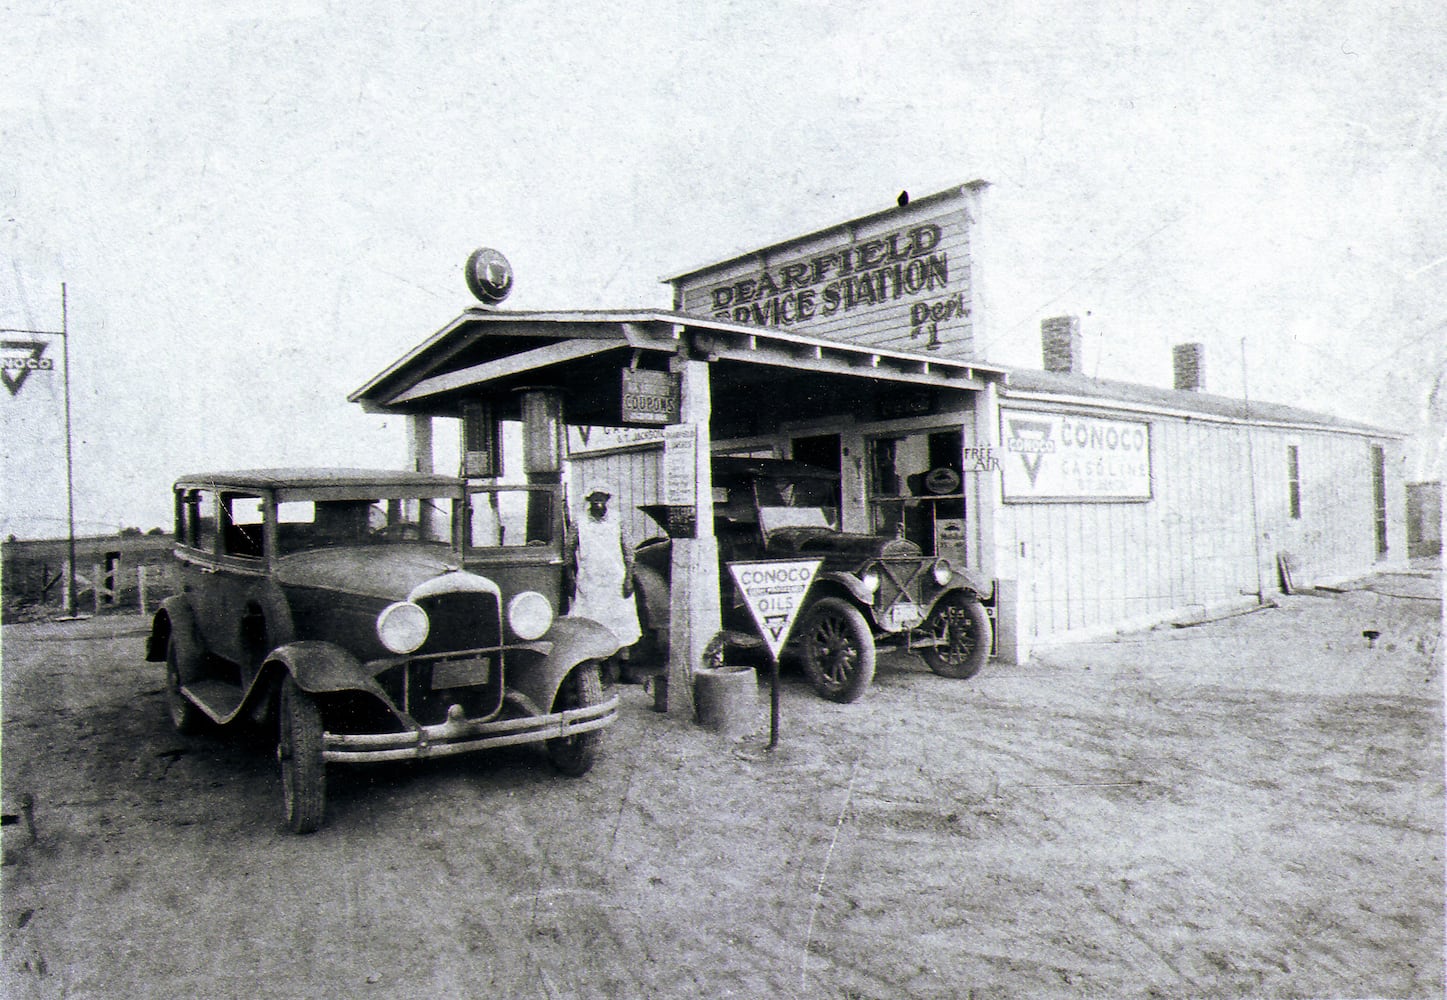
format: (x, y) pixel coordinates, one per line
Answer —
(870, 580)
(944, 572)
(403, 626)
(530, 615)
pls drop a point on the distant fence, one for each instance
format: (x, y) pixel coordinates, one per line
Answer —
(116, 572)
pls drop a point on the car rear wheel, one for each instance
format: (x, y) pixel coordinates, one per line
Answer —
(299, 748)
(583, 688)
(837, 649)
(960, 624)
(185, 717)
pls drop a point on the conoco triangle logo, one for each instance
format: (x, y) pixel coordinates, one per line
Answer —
(20, 358)
(1031, 440)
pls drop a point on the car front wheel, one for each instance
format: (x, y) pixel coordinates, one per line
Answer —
(583, 688)
(299, 748)
(837, 649)
(185, 717)
(962, 629)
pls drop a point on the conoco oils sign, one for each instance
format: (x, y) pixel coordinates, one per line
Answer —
(900, 279)
(1066, 456)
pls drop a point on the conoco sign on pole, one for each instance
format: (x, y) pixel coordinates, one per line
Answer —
(774, 592)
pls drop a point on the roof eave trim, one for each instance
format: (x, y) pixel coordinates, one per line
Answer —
(1101, 403)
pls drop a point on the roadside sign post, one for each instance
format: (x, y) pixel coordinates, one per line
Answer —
(774, 592)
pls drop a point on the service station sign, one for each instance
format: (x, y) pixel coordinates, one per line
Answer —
(1051, 456)
(899, 279)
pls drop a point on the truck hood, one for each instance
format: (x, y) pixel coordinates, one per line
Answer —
(827, 542)
(384, 572)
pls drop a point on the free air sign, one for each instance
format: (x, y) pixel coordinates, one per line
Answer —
(774, 593)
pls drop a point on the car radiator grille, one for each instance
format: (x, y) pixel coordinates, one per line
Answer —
(468, 620)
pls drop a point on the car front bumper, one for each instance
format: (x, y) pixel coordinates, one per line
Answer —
(462, 735)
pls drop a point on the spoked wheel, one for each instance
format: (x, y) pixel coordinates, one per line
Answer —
(837, 648)
(299, 748)
(963, 629)
(185, 717)
(583, 688)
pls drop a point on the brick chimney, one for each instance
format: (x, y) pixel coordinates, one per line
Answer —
(1060, 343)
(1190, 366)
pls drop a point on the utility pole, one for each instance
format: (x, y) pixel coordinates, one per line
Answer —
(1251, 461)
(64, 334)
(69, 473)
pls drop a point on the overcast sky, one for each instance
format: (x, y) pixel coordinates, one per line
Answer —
(256, 207)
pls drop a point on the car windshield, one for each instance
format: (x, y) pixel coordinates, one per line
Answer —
(806, 502)
(507, 517)
(314, 524)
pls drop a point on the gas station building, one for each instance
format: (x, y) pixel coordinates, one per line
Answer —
(1092, 505)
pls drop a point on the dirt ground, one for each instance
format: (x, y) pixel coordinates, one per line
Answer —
(1247, 808)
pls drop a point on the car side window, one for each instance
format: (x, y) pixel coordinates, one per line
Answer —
(244, 529)
(198, 520)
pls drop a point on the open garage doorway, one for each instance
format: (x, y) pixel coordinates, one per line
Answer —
(916, 489)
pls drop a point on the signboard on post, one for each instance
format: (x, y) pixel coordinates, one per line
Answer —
(774, 592)
(680, 465)
(680, 479)
(650, 398)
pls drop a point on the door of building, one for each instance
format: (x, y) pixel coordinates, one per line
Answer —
(1379, 497)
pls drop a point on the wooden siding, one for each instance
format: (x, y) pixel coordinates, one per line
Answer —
(1085, 566)
(1097, 566)
(635, 474)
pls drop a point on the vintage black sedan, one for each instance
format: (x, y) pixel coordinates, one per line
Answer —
(870, 589)
(369, 615)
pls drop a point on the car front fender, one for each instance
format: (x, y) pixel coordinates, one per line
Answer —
(573, 640)
(652, 591)
(850, 583)
(322, 667)
(175, 620)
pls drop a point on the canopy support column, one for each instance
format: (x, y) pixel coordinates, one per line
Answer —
(694, 595)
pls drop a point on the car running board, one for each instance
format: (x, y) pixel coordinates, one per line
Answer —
(217, 699)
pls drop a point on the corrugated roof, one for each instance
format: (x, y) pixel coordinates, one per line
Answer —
(1029, 380)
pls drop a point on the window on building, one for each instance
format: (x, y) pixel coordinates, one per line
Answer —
(1293, 481)
(916, 489)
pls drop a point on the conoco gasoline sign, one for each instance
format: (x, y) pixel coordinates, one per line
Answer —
(898, 279)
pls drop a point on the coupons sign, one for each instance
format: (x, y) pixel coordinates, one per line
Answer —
(774, 593)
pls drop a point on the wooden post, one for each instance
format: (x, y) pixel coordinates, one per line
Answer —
(141, 587)
(419, 442)
(96, 584)
(694, 594)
